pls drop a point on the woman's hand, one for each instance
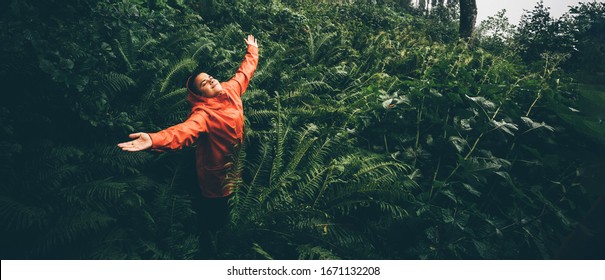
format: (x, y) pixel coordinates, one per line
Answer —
(142, 142)
(251, 41)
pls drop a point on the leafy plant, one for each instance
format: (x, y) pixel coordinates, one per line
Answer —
(376, 137)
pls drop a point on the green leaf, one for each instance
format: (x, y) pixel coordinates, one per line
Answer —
(47, 66)
(504, 126)
(450, 195)
(483, 102)
(534, 125)
(472, 190)
(485, 250)
(516, 189)
(258, 249)
(458, 142)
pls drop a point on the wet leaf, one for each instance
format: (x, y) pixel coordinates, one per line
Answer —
(472, 190)
(483, 102)
(534, 125)
(504, 126)
(458, 142)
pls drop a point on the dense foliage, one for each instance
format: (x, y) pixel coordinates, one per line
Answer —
(372, 132)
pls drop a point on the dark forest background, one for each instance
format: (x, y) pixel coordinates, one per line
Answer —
(373, 131)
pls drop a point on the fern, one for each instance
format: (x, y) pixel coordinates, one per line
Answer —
(19, 217)
(326, 172)
(122, 54)
(298, 154)
(102, 193)
(258, 249)
(296, 177)
(148, 43)
(308, 252)
(316, 43)
(317, 86)
(117, 82)
(258, 168)
(281, 132)
(185, 65)
(233, 178)
(207, 44)
(153, 251)
(261, 116)
(166, 98)
(70, 228)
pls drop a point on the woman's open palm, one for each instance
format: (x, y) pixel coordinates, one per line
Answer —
(142, 142)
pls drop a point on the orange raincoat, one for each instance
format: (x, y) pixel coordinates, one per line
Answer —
(217, 124)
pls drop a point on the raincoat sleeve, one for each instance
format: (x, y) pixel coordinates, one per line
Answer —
(180, 135)
(242, 77)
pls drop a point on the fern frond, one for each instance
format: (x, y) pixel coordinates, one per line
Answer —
(55, 174)
(306, 112)
(186, 64)
(255, 94)
(18, 216)
(393, 210)
(120, 50)
(281, 133)
(310, 186)
(116, 160)
(316, 86)
(247, 198)
(325, 183)
(261, 116)
(371, 170)
(349, 206)
(166, 98)
(315, 45)
(233, 178)
(264, 71)
(104, 191)
(113, 247)
(347, 240)
(177, 111)
(258, 168)
(207, 44)
(302, 147)
(245, 205)
(178, 40)
(70, 228)
(153, 250)
(117, 82)
(147, 43)
(319, 153)
(258, 249)
(126, 40)
(62, 154)
(308, 252)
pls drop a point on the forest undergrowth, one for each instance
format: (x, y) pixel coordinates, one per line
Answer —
(372, 131)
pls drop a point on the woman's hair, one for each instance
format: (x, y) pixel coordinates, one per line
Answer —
(191, 83)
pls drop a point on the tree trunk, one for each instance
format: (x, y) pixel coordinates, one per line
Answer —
(468, 17)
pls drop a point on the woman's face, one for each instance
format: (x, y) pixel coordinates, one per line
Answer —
(208, 85)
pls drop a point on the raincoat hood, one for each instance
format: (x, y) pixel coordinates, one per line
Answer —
(220, 111)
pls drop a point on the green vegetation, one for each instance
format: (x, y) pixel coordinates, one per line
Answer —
(372, 131)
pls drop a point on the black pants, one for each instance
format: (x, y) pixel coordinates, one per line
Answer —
(212, 216)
